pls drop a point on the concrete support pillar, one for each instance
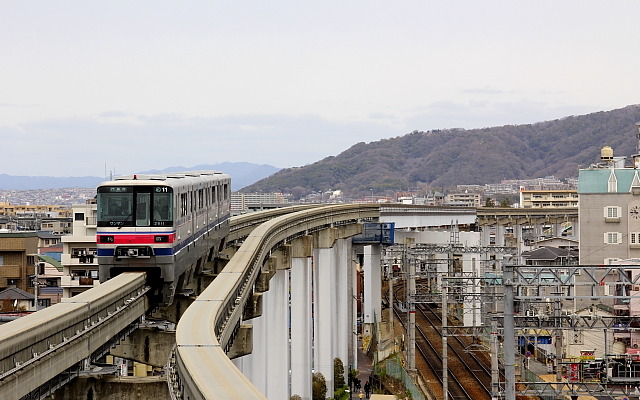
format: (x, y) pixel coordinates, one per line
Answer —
(277, 313)
(353, 271)
(556, 230)
(324, 302)
(301, 328)
(372, 285)
(485, 235)
(500, 229)
(517, 231)
(301, 321)
(344, 301)
(255, 364)
(324, 312)
(239, 362)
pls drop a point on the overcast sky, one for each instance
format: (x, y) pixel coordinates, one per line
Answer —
(89, 86)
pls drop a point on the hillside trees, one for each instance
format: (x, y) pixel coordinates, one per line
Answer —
(449, 157)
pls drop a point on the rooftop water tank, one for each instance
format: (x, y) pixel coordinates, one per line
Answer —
(606, 154)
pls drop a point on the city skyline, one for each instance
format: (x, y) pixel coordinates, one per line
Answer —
(132, 87)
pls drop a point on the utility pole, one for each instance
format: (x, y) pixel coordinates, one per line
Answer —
(445, 361)
(495, 374)
(412, 317)
(35, 284)
(509, 334)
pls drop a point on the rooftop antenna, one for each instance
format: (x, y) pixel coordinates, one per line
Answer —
(637, 138)
(636, 157)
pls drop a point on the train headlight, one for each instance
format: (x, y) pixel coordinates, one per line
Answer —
(107, 239)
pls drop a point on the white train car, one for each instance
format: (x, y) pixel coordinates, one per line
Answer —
(167, 225)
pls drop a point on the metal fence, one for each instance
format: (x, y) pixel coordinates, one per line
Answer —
(530, 376)
(395, 370)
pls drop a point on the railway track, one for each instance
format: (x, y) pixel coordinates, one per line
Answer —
(464, 369)
(469, 372)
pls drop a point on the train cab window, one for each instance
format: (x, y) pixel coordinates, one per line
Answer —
(162, 207)
(135, 206)
(115, 205)
(143, 206)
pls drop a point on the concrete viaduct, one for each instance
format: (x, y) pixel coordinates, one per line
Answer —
(284, 304)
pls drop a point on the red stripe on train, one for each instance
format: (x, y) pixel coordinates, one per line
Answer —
(137, 238)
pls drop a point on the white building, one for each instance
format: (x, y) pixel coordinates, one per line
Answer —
(79, 254)
(241, 202)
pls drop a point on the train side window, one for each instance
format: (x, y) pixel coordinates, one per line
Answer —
(183, 204)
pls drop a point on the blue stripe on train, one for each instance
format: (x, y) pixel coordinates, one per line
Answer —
(157, 252)
(163, 252)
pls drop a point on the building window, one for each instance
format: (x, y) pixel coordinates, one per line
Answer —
(634, 239)
(78, 217)
(612, 213)
(612, 237)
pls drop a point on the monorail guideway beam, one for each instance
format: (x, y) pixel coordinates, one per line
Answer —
(237, 285)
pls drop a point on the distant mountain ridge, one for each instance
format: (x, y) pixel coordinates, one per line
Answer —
(448, 157)
(242, 174)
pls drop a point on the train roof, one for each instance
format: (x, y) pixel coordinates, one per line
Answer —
(167, 177)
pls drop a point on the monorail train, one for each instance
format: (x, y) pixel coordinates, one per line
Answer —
(167, 225)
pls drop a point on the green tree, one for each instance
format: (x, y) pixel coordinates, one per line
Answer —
(319, 387)
(295, 397)
(489, 202)
(505, 202)
(338, 374)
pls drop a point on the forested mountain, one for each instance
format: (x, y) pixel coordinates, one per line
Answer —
(445, 158)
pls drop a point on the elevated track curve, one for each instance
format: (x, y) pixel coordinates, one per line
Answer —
(43, 351)
(201, 368)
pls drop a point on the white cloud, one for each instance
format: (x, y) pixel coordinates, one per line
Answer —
(148, 85)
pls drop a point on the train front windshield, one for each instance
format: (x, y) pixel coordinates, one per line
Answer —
(135, 206)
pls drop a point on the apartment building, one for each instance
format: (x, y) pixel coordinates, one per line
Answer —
(51, 211)
(462, 200)
(79, 254)
(242, 202)
(609, 214)
(17, 260)
(548, 198)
